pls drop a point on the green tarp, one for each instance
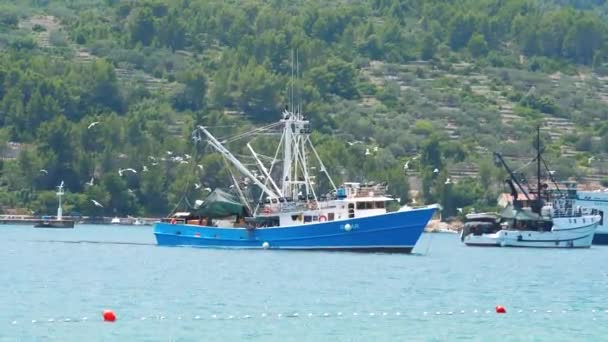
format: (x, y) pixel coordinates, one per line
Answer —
(221, 204)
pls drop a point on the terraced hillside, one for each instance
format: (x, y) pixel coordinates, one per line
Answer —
(434, 85)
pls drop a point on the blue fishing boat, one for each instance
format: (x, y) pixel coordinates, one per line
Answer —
(290, 214)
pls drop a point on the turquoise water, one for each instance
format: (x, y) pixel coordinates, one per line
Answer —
(443, 293)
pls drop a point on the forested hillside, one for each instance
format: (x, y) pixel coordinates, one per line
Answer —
(434, 84)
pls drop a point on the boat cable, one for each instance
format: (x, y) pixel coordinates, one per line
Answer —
(188, 182)
(249, 133)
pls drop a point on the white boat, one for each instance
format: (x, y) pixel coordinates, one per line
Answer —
(589, 202)
(554, 224)
(524, 228)
(115, 220)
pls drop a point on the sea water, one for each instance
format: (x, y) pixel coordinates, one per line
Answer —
(55, 283)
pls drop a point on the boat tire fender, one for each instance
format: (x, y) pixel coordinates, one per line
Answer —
(322, 218)
(173, 221)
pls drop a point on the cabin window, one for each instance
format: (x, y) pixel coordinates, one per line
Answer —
(295, 217)
(379, 205)
(330, 216)
(315, 218)
(369, 205)
(307, 218)
(574, 220)
(601, 217)
(351, 210)
(360, 205)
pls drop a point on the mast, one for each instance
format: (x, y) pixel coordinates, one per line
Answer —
(538, 161)
(59, 194)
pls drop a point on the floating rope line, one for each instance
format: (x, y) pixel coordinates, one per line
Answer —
(310, 315)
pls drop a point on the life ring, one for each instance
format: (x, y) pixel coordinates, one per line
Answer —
(322, 218)
(173, 220)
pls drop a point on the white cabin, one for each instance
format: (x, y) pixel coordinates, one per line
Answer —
(352, 200)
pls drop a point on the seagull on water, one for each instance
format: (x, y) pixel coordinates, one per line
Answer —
(145, 169)
(44, 171)
(406, 166)
(367, 152)
(130, 191)
(121, 171)
(448, 181)
(200, 166)
(459, 210)
(97, 204)
(590, 159)
(208, 189)
(197, 186)
(92, 124)
(436, 170)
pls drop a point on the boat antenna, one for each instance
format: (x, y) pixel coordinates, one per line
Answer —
(538, 162)
(297, 77)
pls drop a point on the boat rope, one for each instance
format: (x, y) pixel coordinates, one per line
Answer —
(525, 165)
(188, 182)
(249, 133)
(386, 313)
(266, 180)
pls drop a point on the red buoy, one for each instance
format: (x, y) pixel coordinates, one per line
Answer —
(500, 309)
(109, 316)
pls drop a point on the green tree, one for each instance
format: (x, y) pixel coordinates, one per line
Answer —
(478, 46)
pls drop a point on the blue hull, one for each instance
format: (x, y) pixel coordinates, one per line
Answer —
(391, 232)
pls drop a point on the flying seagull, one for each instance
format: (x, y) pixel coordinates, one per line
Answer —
(197, 186)
(90, 183)
(448, 181)
(590, 159)
(406, 166)
(436, 170)
(121, 171)
(92, 124)
(200, 166)
(145, 169)
(367, 152)
(208, 189)
(459, 210)
(44, 171)
(97, 204)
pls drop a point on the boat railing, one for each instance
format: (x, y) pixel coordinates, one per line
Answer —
(567, 212)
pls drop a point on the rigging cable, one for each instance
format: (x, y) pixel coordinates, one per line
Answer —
(188, 179)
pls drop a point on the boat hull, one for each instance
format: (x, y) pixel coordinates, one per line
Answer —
(391, 232)
(55, 224)
(566, 237)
